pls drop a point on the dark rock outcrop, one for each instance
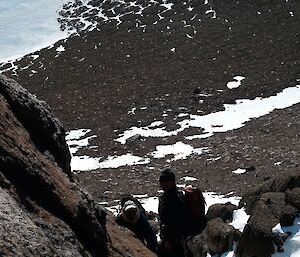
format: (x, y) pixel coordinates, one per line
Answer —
(275, 201)
(256, 239)
(36, 183)
(197, 246)
(220, 236)
(292, 197)
(224, 211)
(43, 211)
(217, 238)
(283, 184)
(46, 132)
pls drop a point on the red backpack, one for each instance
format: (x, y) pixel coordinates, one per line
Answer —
(195, 202)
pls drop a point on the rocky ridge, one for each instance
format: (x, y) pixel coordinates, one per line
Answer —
(44, 212)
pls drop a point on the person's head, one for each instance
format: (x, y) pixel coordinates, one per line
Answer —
(130, 211)
(167, 179)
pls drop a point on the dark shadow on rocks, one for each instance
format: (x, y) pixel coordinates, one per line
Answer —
(44, 129)
(224, 211)
(217, 238)
(275, 201)
(44, 211)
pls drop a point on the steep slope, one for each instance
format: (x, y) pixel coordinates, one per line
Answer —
(43, 212)
(164, 59)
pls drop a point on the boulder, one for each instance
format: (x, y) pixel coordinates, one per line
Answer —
(293, 197)
(256, 239)
(217, 238)
(197, 246)
(24, 233)
(224, 211)
(134, 139)
(220, 236)
(275, 201)
(283, 183)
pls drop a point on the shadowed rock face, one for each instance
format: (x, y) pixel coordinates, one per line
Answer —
(217, 238)
(220, 236)
(288, 184)
(43, 211)
(224, 211)
(44, 129)
(35, 182)
(275, 201)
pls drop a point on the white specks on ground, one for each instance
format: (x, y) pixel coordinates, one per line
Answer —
(187, 178)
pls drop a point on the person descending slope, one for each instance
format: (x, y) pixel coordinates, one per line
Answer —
(134, 218)
(174, 223)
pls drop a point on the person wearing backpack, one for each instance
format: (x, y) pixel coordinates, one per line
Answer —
(174, 223)
(195, 203)
(133, 216)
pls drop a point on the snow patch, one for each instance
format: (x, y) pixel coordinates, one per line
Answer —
(84, 162)
(213, 12)
(182, 115)
(239, 171)
(187, 178)
(278, 163)
(150, 204)
(240, 219)
(145, 132)
(292, 243)
(233, 117)
(76, 139)
(213, 198)
(236, 82)
(61, 48)
(123, 160)
(179, 150)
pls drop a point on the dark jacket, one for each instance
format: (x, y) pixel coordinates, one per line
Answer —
(142, 229)
(173, 216)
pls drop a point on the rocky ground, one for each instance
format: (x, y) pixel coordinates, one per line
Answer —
(164, 60)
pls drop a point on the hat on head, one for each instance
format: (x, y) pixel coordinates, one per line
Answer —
(167, 175)
(129, 205)
(130, 212)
